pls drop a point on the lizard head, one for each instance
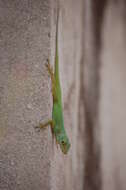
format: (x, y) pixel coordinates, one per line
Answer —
(64, 144)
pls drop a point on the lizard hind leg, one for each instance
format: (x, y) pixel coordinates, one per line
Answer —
(50, 70)
(43, 125)
(50, 122)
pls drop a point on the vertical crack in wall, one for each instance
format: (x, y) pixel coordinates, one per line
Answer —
(89, 97)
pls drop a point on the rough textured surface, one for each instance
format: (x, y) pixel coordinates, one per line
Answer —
(92, 69)
(25, 95)
(30, 159)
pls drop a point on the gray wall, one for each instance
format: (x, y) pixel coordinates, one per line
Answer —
(92, 71)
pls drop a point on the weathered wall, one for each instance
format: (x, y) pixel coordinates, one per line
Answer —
(113, 96)
(67, 171)
(90, 93)
(103, 89)
(30, 159)
(92, 69)
(25, 96)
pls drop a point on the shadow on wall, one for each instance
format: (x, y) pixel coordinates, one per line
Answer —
(90, 94)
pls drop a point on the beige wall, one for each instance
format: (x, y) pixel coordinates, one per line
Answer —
(104, 95)
(30, 159)
(113, 97)
(92, 70)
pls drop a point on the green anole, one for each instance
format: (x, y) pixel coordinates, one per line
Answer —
(57, 121)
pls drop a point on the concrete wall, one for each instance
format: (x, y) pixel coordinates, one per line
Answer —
(30, 159)
(92, 70)
(25, 97)
(104, 94)
(113, 99)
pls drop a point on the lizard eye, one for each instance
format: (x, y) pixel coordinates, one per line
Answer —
(63, 142)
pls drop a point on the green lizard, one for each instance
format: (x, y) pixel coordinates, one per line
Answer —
(57, 121)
